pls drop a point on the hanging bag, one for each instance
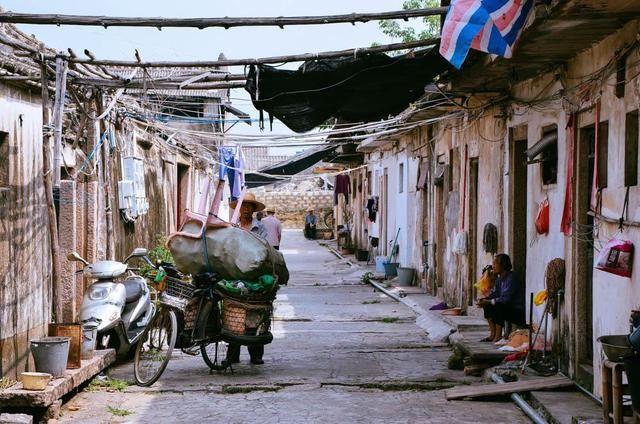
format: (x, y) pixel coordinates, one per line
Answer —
(542, 218)
(616, 257)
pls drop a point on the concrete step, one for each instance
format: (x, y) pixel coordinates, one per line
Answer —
(567, 407)
(465, 323)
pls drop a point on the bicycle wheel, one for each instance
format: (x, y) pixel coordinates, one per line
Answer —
(155, 347)
(214, 355)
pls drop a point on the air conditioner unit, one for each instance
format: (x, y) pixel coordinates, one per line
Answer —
(132, 199)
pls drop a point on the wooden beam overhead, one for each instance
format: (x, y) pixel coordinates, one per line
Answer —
(265, 60)
(225, 22)
(155, 85)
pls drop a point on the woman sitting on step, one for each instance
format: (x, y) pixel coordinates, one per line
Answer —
(506, 302)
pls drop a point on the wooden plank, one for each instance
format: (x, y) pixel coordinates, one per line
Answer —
(16, 397)
(543, 383)
(226, 22)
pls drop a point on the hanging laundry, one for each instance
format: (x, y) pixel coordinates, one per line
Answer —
(342, 185)
(490, 238)
(372, 208)
(232, 169)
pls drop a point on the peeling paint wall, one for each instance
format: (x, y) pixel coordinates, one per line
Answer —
(25, 276)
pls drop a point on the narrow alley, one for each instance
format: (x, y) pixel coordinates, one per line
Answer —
(342, 353)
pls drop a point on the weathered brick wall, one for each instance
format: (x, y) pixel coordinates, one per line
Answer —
(291, 206)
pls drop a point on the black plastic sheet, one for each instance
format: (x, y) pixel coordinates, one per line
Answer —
(355, 89)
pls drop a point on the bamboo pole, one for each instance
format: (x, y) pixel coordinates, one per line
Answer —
(259, 61)
(58, 114)
(106, 170)
(56, 300)
(225, 22)
(154, 85)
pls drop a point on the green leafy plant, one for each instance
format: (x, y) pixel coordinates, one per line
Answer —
(118, 412)
(109, 385)
(390, 320)
(429, 28)
(371, 302)
(366, 277)
(158, 253)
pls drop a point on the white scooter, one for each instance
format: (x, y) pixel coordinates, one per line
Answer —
(120, 308)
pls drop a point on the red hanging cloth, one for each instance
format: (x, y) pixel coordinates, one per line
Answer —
(565, 223)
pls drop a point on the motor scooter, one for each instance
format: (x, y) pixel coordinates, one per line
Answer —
(119, 306)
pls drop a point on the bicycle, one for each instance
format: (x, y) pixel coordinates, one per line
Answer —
(188, 316)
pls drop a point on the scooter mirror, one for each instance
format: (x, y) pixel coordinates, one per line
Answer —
(139, 251)
(74, 256)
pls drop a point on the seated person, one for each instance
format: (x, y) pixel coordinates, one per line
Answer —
(506, 300)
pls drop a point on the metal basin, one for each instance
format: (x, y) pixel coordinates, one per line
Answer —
(616, 347)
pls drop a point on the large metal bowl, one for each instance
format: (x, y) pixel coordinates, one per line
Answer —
(616, 347)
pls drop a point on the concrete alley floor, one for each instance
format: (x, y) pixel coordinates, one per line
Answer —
(342, 353)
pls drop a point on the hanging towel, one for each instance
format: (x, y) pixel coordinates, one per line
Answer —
(490, 238)
(372, 208)
(342, 185)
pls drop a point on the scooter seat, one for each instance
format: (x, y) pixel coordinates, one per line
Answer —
(134, 287)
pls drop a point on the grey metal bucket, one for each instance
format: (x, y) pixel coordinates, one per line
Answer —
(50, 354)
(89, 338)
(405, 276)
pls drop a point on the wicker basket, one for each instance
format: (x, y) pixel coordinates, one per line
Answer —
(246, 318)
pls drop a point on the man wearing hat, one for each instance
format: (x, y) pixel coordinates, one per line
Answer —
(247, 222)
(273, 227)
(249, 206)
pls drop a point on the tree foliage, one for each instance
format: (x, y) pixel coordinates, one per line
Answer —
(429, 25)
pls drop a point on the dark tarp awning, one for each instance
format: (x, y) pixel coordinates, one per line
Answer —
(243, 116)
(547, 140)
(296, 164)
(362, 89)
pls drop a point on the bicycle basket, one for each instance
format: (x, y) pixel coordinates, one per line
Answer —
(178, 288)
(177, 293)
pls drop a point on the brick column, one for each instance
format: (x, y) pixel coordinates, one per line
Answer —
(67, 236)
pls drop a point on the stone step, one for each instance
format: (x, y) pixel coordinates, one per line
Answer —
(567, 407)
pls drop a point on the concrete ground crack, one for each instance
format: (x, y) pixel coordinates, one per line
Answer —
(403, 386)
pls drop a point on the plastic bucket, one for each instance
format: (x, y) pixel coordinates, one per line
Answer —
(380, 261)
(362, 255)
(391, 269)
(89, 337)
(50, 354)
(406, 276)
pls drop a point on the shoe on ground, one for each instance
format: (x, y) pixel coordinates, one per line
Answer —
(257, 361)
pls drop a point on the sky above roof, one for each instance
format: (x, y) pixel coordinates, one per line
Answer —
(206, 44)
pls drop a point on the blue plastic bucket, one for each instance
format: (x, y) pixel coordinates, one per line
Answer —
(380, 261)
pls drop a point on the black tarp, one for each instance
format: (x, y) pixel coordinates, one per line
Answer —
(296, 164)
(355, 89)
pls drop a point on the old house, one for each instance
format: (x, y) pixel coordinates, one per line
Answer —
(126, 177)
(25, 266)
(558, 121)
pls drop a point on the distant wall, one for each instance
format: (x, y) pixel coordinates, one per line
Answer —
(292, 205)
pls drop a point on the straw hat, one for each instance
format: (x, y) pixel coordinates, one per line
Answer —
(270, 208)
(249, 198)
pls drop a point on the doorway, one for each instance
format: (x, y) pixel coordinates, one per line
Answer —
(585, 156)
(518, 188)
(183, 193)
(473, 230)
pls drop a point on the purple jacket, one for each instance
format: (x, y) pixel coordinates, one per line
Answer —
(508, 291)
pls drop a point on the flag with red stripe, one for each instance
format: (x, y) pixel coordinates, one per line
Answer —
(491, 26)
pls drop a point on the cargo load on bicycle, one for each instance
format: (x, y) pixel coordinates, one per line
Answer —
(220, 295)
